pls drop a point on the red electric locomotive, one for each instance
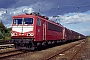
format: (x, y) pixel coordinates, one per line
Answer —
(32, 30)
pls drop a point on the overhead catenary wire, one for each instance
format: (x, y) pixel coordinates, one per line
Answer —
(78, 6)
(74, 5)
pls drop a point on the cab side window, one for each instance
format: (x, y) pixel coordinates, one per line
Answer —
(38, 22)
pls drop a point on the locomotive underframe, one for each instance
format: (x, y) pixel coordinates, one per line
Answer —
(22, 43)
(30, 44)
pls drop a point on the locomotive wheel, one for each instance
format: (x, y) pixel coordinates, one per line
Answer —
(32, 45)
(15, 45)
(33, 48)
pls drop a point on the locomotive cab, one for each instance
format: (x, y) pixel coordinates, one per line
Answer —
(22, 27)
(23, 34)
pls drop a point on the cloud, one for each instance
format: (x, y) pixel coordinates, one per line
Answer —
(6, 14)
(42, 5)
(19, 10)
(69, 18)
(85, 31)
(73, 18)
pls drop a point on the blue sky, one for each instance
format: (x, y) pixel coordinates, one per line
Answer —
(73, 14)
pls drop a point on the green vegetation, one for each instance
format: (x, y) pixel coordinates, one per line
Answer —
(4, 32)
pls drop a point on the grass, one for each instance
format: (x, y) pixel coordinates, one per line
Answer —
(6, 38)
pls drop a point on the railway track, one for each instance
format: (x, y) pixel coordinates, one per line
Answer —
(52, 53)
(13, 54)
(3, 42)
(55, 53)
(4, 46)
(10, 53)
(69, 53)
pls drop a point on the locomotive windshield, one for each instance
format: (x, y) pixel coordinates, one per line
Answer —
(28, 20)
(23, 21)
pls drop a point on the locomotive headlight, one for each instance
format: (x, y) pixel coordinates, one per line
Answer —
(32, 34)
(12, 34)
(28, 34)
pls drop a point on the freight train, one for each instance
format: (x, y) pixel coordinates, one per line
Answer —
(32, 30)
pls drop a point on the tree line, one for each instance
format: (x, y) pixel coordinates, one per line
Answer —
(4, 32)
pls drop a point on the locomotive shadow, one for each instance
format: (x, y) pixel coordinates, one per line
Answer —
(53, 45)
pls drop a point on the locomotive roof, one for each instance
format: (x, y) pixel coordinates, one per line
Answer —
(42, 17)
(37, 15)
